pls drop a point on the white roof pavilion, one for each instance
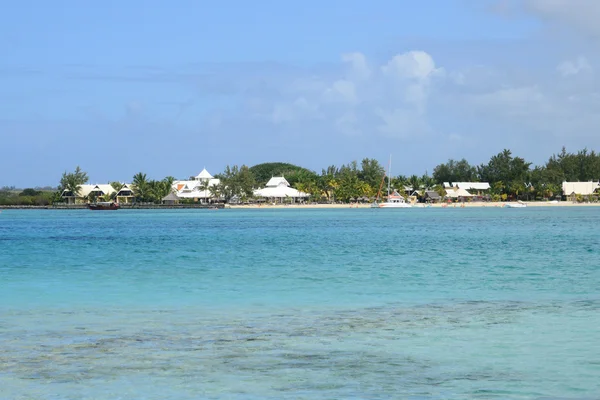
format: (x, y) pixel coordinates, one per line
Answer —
(279, 187)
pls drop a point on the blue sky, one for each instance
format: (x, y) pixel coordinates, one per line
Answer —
(167, 89)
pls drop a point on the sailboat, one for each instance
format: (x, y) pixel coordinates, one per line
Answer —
(394, 199)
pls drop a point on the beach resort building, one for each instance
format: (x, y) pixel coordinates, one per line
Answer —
(457, 193)
(476, 188)
(473, 189)
(278, 190)
(586, 189)
(89, 192)
(198, 188)
(431, 196)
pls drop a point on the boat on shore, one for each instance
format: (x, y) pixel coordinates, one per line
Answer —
(104, 205)
(517, 204)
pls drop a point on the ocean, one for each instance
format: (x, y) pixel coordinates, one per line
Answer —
(465, 303)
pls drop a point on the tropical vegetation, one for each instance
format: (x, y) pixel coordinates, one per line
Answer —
(510, 176)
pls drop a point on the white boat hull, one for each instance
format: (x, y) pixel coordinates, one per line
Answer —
(394, 205)
(515, 205)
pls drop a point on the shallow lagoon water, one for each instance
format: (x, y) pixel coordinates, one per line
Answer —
(315, 304)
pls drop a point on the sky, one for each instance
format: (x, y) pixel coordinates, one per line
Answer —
(170, 88)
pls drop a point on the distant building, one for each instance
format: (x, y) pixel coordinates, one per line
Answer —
(432, 196)
(278, 189)
(573, 189)
(457, 193)
(475, 188)
(197, 188)
(170, 199)
(87, 192)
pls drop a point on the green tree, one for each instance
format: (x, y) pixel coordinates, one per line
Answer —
(371, 172)
(30, 192)
(117, 186)
(415, 182)
(455, 171)
(141, 187)
(506, 169)
(236, 182)
(247, 183)
(156, 190)
(265, 171)
(72, 182)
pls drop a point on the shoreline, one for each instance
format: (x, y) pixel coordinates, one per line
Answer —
(123, 207)
(305, 206)
(435, 205)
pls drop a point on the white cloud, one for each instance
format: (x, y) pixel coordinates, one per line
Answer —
(574, 67)
(341, 91)
(413, 97)
(360, 69)
(401, 123)
(348, 124)
(390, 99)
(412, 65)
(582, 15)
(516, 101)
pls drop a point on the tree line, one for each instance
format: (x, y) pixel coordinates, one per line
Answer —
(509, 176)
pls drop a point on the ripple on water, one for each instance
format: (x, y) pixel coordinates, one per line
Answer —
(461, 349)
(289, 304)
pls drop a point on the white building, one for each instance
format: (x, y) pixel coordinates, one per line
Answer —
(581, 188)
(477, 186)
(278, 189)
(198, 188)
(86, 192)
(457, 192)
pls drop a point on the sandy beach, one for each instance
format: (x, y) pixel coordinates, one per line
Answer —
(436, 205)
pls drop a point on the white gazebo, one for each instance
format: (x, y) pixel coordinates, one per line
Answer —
(278, 189)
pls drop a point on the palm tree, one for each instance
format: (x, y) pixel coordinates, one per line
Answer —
(204, 186)
(141, 188)
(415, 182)
(215, 192)
(106, 197)
(440, 190)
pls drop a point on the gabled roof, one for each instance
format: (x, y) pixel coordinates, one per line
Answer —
(277, 181)
(279, 191)
(582, 188)
(87, 189)
(460, 192)
(204, 175)
(468, 185)
(432, 194)
(126, 188)
(193, 185)
(170, 197)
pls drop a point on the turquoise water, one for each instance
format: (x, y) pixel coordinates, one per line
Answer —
(300, 304)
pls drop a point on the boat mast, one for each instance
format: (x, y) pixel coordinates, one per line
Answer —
(389, 175)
